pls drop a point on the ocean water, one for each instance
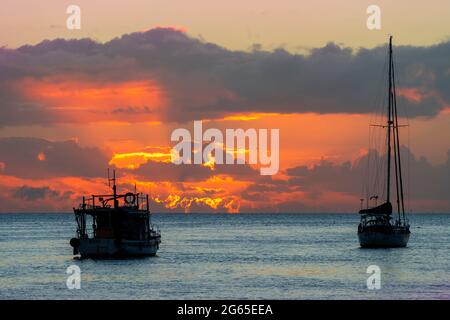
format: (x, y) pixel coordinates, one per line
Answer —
(221, 256)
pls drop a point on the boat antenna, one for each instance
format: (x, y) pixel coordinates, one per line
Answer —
(115, 190)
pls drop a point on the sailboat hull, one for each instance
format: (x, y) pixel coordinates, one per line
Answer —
(395, 238)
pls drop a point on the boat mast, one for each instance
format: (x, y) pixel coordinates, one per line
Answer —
(113, 179)
(389, 124)
(399, 178)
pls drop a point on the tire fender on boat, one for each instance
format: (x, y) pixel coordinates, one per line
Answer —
(74, 242)
(129, 198)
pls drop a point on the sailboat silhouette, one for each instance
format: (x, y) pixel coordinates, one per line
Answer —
(377, 228)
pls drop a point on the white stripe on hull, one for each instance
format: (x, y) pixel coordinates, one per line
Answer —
(108, 247)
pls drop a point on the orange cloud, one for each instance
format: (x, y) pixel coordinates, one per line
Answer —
(132, 160)
(84, 100)
(412, 94)
(247, 116)
(177, 201)
(41, 156)
(219, 193)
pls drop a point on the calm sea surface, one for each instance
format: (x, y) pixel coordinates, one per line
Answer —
(246, 256)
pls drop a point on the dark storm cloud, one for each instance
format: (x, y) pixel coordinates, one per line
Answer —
(423, 182)
(265, 185)
(203, 80)
(426, 181)
(39, 158)
(39, 193)
(343, 177)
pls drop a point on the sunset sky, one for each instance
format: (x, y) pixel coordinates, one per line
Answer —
(75, 102)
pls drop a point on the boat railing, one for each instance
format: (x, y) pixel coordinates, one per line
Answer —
(375, 219)
(138, 201)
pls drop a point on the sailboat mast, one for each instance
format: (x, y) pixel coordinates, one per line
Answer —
(400, 200)
(390, 122)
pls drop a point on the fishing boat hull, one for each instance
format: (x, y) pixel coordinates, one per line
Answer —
(390, 238)
(111, 248)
